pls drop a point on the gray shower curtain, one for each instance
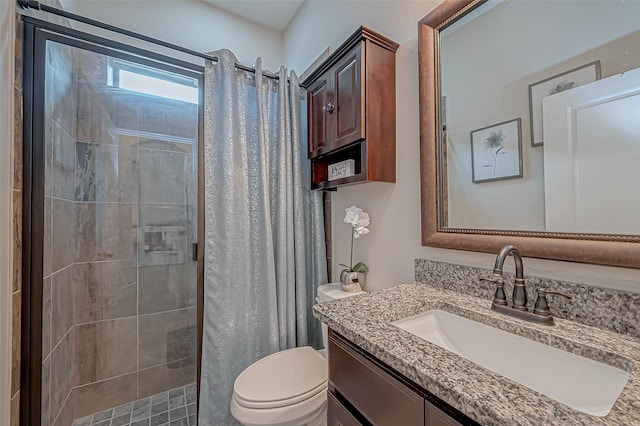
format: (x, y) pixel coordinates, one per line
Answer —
(264, 249)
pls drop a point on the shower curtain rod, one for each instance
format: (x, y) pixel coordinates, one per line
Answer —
(33, 4)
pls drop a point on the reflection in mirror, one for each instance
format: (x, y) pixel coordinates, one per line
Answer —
(533, 61)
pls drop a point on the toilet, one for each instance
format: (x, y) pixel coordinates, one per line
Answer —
(287, 388)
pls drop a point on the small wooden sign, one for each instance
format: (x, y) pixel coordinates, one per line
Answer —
(342, 169)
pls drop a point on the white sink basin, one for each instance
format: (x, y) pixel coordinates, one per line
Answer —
(583, 384)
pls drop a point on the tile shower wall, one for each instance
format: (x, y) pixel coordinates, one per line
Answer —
(604, 308)
(59, 337)
(119, 309)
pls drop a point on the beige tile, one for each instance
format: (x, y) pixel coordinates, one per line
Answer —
(18, 51)
(164, 377)
(64, 234)
(166, 287)
(105, 231)
(46, 253)
(46, 318)
(62, 163)
(62, 373)
(46, 381)
(117, 110)
(169, 117)
(48, 154)
(94, 123)
(184, 147)
(105, 394)
(15, 410)
(158, 214)
(61, 304)
(66, 415)
(106, 172)
(15, 341)
(167, 337)
(105, 349)
(17, 138)
(191, 175)
(162, 175)
(87, 114)
(90, 67)
(16, 275)
(104, 290)
(60, 87)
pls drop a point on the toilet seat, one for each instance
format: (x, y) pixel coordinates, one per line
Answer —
(310, 412)
(286, 388)
(282, 379)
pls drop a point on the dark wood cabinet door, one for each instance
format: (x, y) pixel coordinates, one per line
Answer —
(433, 416)
(338, 415)
(348, 92)
(374, 393)
(318, 116)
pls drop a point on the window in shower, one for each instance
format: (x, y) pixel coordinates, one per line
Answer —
(138, 78)
(116, 171)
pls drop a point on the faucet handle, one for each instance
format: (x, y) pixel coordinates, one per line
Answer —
(493, 278)
(541, 307)
(499, 298)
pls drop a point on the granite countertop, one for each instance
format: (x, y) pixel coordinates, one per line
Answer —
(483, 395)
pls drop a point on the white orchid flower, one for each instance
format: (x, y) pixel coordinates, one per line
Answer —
(363, 220)
(359, 220)
(353, 215)
(359, 231)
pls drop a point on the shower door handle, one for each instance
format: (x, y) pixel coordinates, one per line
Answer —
(194, 251)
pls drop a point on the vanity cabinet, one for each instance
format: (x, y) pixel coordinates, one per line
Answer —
(365, 391)
(351, 110)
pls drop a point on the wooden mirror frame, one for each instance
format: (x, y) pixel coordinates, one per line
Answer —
(614, 250)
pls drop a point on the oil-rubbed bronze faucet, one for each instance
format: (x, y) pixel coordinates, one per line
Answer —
(541, 312)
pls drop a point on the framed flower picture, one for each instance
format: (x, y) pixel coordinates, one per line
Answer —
(496, 152)
(549, 86)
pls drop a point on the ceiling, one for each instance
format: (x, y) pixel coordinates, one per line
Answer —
(274, 14)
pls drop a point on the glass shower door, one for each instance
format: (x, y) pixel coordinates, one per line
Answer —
(119, 284)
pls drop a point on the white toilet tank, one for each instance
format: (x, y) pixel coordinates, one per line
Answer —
(327, 292)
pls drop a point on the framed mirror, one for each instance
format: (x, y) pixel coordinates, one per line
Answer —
(529, 131)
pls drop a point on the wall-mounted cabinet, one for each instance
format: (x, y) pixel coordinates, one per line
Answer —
(351, 105)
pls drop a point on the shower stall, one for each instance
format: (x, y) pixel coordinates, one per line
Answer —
(112, 218)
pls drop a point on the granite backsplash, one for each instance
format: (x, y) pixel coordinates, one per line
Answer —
(608, 309)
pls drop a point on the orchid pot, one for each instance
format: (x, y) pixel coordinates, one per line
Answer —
(351, 281)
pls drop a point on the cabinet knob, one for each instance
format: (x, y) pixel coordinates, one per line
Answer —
(328, 108)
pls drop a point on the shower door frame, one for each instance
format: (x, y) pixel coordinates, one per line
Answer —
(35, 37)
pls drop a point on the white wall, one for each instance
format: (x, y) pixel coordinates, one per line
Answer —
(192, 24)
(394, 241)
(7, 21)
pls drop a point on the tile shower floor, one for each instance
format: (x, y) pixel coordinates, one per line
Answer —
(176, 407)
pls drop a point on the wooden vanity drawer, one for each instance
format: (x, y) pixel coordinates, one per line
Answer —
(436, 417)
(374, 392)
(338, 415)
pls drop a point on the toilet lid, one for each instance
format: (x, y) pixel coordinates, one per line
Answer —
(281, 379)
(333, 291)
